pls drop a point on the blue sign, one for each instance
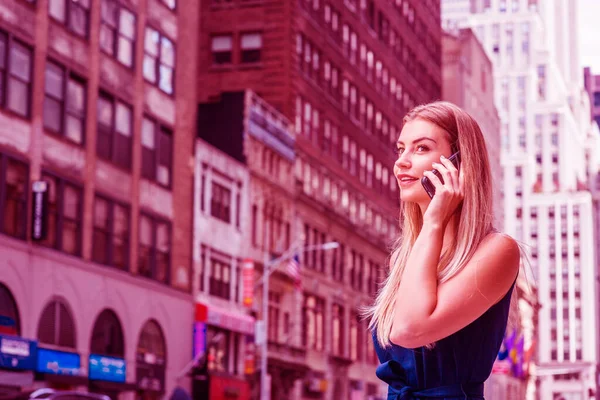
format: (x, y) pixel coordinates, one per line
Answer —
(17, 353)
(103, 368)
(58, 362)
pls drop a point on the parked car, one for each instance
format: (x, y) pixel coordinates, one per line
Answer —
(51, 394)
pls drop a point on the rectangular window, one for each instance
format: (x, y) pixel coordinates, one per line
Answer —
(74, 14)
(117, 31)
(313, 322)
(14, 184)
(220, 279)
(250, 47)
(337, 330)
(64, 103)
(154, 258)
(16, 64)
(157, 152)
(170, 4)
(221, 47)
(220, 202)
(65, 207)
(110, 244)
(114, 131)
(159, 60)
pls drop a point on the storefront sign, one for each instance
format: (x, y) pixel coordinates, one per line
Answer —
(248, 281)
(226, 387)
(249, 356)
(58, 362)
(103, 368)
(17, 353)
(222, 318)
(39, 213)
(199, 338)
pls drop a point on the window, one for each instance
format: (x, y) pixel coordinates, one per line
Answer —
(312, 326)
(56, 326)
(114, 131)
(74, 14)
(274, 313)
(356, 337)
(157, 152)
(155, 249)
(159, 60)
(9, 312)
(596, 99)
(111, 233)
(64, 103)
(337, 330)
(171, 4)
(107, 335)
(250, 45)
(14, 178)
(117, 32)
(220, 279)
(15, 75)
(220, 202)
(221, 49)
(65, 203)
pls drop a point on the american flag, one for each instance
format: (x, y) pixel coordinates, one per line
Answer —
(293, 269)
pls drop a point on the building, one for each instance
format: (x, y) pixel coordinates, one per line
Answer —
(545, 130)
(592, 85)
(468, 82)
(344, 73)
(95, 208)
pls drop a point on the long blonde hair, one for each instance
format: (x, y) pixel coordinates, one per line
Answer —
(473, 220)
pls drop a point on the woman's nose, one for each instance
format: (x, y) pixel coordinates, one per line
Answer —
(403, 161)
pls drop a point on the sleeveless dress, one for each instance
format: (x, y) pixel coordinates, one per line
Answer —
(454, 369)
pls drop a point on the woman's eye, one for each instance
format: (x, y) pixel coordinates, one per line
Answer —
(398, 150)
(422, 148)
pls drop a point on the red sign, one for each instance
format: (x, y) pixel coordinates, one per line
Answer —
(248, 281)
(226, 387)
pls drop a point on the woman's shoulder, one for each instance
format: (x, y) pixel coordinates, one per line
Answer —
(500, 245)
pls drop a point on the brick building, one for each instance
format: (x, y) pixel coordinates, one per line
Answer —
(345, 73)
(91, 106)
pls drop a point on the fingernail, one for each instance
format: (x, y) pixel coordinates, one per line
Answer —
(442, 157)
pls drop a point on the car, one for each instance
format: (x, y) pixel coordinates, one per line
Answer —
(51, 394)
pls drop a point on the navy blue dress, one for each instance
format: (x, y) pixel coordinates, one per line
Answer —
(454, 369)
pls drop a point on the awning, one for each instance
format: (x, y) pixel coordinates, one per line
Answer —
(226, 319)
(113, 386)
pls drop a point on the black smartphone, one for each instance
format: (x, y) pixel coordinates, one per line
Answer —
(428, 186)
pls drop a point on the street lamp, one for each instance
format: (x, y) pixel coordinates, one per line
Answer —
(267, 270)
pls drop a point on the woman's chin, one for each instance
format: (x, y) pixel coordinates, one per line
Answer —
(409, 196)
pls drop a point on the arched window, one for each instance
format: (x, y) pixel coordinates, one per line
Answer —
(152, 342)
(56, 326)
(10, 322)
(107, 335)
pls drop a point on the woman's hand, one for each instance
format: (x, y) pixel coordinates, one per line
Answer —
(448, 195)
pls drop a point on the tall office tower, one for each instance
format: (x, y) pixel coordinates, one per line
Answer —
(546, 135)
(344, 72)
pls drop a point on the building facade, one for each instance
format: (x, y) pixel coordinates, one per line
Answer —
(592, 86)
(344, 73)
(95, 209)
(545, 129)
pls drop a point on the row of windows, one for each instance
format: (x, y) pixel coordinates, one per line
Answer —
(111, 230)
(313, 331)
(223, 52)
(378, 23)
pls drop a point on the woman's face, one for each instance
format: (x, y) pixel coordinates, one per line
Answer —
(420, 144)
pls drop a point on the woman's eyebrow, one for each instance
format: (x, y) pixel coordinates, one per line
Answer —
(418, 140)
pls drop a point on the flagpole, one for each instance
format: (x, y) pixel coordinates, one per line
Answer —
(268, 268)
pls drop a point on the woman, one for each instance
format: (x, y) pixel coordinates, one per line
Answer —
(439, 319)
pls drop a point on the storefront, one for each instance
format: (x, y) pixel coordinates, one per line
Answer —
(17, 363)
(224, 339)
(59, 370)
(151, 362)
(107, 368)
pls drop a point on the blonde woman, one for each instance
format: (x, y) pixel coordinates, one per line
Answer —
(440, 316)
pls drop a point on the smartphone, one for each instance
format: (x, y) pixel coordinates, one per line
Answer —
(428, 186)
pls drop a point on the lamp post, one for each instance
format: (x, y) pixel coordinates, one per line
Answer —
(269, 268)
